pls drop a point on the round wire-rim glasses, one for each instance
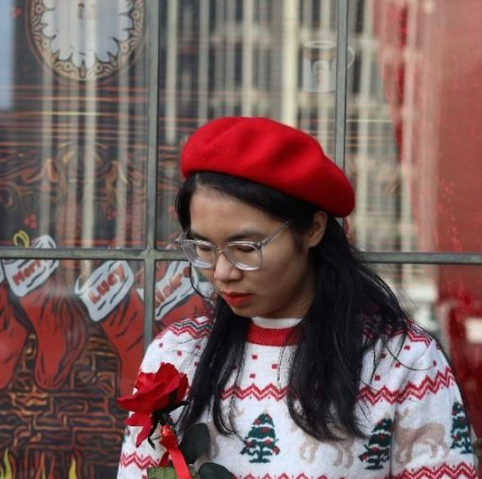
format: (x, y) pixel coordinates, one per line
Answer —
(244, 255)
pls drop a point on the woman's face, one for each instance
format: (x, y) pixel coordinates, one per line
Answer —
(283, 287)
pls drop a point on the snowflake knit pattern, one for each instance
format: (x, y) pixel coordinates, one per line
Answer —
(411, 411)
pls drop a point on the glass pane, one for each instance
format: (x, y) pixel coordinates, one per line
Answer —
(71, 341)
(414, 138)
(73, 123)
(447, 301)
(180, 293)
(273, 58)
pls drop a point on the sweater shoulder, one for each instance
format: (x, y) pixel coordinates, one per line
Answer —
(193, 327)
(416, 348)
(179, 344)
(407, 366)
(408, 345)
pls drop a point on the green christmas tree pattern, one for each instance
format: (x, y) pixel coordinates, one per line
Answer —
(261, 440)
(377, 451)
(460, 430)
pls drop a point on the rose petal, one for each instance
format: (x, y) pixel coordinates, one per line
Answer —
(144, 380)
(140, 420)
(134, 403)
(156, 391)
(182, 388)
(143, 434)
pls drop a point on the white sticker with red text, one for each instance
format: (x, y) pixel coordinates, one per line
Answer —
(24, 275)
(171, 289)
(107, 286)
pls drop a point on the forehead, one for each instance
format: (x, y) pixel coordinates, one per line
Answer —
(214, 214)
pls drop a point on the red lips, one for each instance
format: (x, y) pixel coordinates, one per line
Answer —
(233, 293)
(236, 299)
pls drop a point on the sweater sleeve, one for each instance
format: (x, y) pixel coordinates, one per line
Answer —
(179, 345)
(431, 434)
(134, 461)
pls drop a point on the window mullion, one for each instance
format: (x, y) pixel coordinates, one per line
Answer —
(341, 81)
(152, 161)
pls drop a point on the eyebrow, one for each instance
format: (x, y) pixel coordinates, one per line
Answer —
(241, 235)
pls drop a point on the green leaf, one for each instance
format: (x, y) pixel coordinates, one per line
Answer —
(195, 442)
(161, 473)
(168, 473)
(209, 470)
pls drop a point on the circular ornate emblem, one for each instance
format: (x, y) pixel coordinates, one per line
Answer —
(87, 39)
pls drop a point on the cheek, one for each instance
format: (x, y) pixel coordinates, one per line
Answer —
(286, 264)
(209, 275)
(281, 273)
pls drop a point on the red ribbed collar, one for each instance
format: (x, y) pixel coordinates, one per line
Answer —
(271, 337)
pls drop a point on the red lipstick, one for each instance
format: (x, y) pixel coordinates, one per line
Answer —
(236, 299)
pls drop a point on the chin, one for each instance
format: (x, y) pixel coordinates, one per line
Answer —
(243, 312)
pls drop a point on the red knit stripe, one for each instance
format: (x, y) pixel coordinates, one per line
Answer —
(197, 328)
(271, 337)
(140, 461)
(461, 471)
(270, 391)
(283, 476)
(411, 391)
(419, 336)
(415, 333)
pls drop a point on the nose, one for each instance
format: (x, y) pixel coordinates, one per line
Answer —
(224, 270)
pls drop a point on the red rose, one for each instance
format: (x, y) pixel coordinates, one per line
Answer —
(144, 420)
(158, 392)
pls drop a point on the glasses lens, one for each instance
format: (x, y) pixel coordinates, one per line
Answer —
(200, 254)
(243, 256)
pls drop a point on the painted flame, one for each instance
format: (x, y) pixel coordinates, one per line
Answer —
(73, 469)
(41, 470)
(6, 471)
(21, 238)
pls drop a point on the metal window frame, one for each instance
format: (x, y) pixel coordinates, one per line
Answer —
(150, 255)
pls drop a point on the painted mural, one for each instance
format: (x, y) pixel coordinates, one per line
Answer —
(73, 149)
(73, 174)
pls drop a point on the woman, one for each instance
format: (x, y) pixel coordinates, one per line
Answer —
(309, 368)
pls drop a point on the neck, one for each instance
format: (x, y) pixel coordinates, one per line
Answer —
(275, 323)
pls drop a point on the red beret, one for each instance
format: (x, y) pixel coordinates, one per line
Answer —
(276, 155)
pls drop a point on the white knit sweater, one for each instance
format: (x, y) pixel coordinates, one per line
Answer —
(411, 411)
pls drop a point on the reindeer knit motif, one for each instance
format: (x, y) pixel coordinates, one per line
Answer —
(410, 409)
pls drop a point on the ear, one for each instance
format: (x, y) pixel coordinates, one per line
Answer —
(317, 231)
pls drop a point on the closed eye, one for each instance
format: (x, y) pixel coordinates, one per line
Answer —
(242, 248)
(204, 247)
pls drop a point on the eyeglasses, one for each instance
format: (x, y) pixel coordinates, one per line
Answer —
(244, 255)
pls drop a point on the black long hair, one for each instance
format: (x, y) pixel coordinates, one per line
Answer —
(325, 369)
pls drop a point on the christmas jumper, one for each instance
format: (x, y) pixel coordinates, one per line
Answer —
(411, 411)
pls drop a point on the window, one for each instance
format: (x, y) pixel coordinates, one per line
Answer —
(97, 99)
